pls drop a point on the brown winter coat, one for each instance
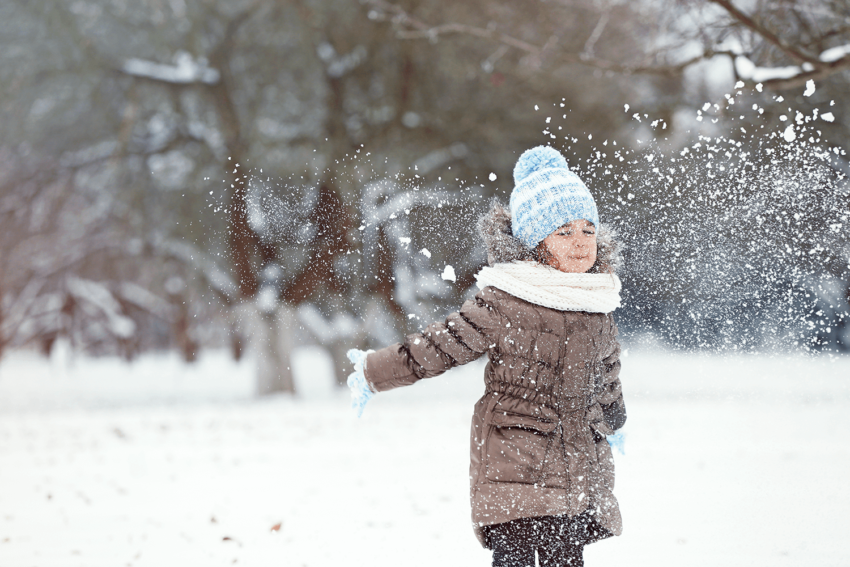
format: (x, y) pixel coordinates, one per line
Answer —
(552, 395)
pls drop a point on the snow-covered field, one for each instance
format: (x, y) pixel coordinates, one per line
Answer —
(729, 461)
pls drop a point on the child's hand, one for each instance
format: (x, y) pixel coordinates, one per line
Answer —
(360, 391)
(617, 441)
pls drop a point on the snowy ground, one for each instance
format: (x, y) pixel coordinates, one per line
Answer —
(729, 461)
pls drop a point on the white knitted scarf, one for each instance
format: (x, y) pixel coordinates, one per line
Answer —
(546, 286)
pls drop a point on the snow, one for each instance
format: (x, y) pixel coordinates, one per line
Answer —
(340, 65)
(828, 116)
(789, 133)
(341, 325)
(835, 53)
(449, 273)
(729, 460)
(98, 300)
(144, 299)
(185, 70)
(218, 279)
(440, 157)
(746, 69)
(171, 169)
(267, 298)
(810, 88)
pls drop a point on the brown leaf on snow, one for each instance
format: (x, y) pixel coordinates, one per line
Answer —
(276, 527)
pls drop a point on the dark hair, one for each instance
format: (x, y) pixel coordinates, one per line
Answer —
(543, 255)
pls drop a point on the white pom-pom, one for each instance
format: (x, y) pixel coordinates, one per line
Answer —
(536, 159)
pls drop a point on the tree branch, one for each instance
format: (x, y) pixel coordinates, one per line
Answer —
(411, 28)
(417, 29)
(768, 35)
(821, 72)
(244, 242)
(421, 30)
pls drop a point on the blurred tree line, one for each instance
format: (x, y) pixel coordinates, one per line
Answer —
(178, 175)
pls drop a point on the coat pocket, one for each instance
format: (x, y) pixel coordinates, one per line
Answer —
(516, 446)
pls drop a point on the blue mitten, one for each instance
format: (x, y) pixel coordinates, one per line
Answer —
(617, 441)
(360, 391)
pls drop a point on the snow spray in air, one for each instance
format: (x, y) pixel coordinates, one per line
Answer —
(354, 253)
(735, 233)
(734, 226)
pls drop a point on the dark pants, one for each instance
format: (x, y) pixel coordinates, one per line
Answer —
(558, 540)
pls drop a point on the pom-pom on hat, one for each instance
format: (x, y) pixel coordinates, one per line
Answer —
(547, 195)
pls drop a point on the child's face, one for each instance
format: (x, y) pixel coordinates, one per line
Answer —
(573, 247)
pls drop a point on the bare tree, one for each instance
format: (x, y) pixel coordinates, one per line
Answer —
(782, 45)
(235, 172)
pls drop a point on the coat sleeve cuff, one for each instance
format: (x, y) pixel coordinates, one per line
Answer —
(389, 368)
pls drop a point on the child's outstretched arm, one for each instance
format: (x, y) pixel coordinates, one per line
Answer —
(463, 337)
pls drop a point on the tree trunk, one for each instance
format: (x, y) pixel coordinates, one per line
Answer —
(2, 339)
(342, 366)
(188, 347)
(269, 336)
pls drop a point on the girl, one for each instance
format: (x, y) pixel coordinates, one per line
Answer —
(542, 471)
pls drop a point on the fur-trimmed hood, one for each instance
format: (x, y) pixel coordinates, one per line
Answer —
(502, 246)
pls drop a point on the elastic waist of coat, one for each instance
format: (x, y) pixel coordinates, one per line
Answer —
(522, 393)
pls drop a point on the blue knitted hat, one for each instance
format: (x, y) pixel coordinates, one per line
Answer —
(546, 196)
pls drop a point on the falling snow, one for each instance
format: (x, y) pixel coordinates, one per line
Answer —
(449, 274)
(810, 88)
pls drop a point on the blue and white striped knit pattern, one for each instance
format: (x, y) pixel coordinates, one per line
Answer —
(547, 195)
